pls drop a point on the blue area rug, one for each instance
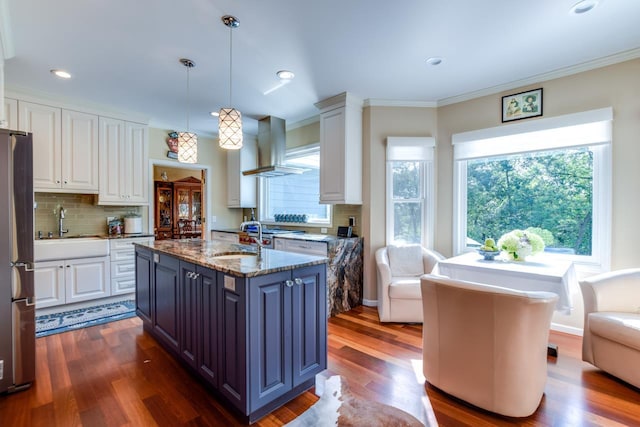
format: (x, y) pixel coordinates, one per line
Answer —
(76, 319)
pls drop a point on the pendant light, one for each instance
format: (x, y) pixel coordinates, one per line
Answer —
(187, 141)
(230, 119)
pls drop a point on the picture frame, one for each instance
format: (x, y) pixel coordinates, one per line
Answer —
(522, 105)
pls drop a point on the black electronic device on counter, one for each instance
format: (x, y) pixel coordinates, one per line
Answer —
(344, 231)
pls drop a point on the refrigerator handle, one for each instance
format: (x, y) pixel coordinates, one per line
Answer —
(27, 266)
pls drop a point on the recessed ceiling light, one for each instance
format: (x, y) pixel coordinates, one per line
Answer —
(215, 113)
(285, 75)
(584, 6)
(434, 60)
(61, 73)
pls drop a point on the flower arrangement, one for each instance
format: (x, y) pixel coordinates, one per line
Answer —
(519, 244)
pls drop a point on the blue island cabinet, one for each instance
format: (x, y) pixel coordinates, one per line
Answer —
(257, 341)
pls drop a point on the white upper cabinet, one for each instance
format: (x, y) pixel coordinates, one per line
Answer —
(341, 150)
(124, 168)
(79, 151)
(65, 148)
(241, 190)
(11, 113)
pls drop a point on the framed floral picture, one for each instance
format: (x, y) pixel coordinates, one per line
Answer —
(522, 105)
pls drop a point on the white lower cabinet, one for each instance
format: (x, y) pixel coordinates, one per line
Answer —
(68, 281)
(123, 265)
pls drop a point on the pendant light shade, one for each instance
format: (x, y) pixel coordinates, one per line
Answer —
(187, 147)
(230, 119)
(230, 128)
(187, 141)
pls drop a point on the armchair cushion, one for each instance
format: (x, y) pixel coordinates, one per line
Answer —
(405, 287)
(623, 328)
(405, 260)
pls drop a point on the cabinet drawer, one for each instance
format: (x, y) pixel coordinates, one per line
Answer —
(123, 249)
(123, 269)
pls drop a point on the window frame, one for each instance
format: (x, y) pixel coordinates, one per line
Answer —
(262, 192)
(412, 149)
(528, 135)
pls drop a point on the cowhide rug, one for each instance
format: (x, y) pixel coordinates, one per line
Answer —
(339, 407)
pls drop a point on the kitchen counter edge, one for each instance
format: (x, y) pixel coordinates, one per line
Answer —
(204, 253)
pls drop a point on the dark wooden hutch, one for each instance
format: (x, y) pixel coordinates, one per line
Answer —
(178, 208)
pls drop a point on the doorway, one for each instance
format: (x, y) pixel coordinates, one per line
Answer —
(177, 174)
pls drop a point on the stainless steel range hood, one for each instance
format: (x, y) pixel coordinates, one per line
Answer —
(271, 150)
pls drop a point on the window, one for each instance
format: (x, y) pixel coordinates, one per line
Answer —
(410, 208)
(553, 175)
(296, 194)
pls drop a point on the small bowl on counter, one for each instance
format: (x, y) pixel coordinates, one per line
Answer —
(488, 255)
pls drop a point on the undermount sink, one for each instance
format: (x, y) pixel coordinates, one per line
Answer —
(70, 247)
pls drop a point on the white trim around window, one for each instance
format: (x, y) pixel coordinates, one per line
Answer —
(412, 149)
(591, 129)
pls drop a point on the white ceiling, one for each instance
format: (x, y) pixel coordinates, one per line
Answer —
(124, 54)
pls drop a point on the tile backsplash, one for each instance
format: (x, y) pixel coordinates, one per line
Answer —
(82, 214)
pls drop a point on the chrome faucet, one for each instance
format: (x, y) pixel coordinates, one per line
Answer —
(243, 227)
(61, 229)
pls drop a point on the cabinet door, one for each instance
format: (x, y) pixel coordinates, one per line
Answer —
(164, 210)
(111, 137)
(232, 353)
(332, 172)
(165, 319)
(79, 151)
(49, 283)
(188, 314)
(208, 325)
(87, 278)
(144, 282)
(44, 122)
(309, 322)
(270, 337)
(134, 180)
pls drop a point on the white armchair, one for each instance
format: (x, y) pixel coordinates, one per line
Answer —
(611, 339)
(486, 345)
(399, 271)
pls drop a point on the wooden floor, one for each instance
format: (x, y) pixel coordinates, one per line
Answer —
(116, 375)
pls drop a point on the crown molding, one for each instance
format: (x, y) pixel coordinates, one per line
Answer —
(538, 78)
(393, 103)
(304, 122)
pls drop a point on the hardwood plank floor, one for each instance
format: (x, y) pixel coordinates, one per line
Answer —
(117, 375)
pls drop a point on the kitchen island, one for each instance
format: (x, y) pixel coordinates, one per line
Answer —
(254, 329)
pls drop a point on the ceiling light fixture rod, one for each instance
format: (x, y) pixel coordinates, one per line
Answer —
(189, 64)
(231, 22)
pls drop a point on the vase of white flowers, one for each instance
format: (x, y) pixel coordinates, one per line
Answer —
(519, 244)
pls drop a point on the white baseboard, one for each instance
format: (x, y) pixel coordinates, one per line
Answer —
(370, 302)
(566, 329)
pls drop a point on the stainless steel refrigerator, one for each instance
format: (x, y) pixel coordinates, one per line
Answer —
(17, 299)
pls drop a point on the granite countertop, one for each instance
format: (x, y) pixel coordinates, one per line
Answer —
(204, 252)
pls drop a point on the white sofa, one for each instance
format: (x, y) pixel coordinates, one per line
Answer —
(611, 339)
(486, 345)
(398, 285)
